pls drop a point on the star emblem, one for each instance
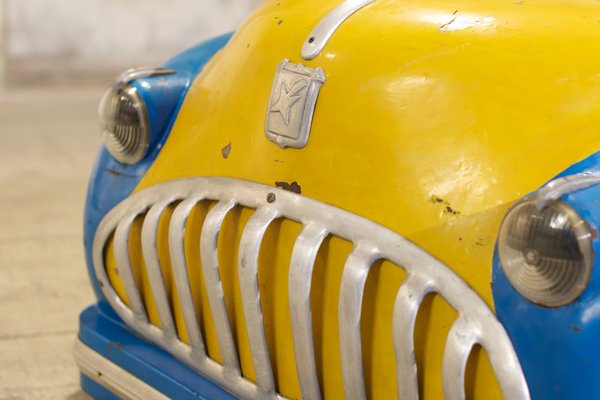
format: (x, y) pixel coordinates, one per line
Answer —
(292, 104)
(287, 98)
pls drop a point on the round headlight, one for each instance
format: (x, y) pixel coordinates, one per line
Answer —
(546, 254)
(124, 124)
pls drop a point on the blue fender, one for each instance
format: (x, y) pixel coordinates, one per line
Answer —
(558, 347)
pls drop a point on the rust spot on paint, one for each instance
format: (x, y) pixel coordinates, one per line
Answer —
(434, 199)
(482, 241)
(225, 151)
(451, 211)
(448, 210)
(290, 187)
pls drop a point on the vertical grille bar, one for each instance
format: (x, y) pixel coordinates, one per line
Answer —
(352, 289)
(214, 287)
(504, 362)
(459, 343)
(301, 268)
(180, 272)
(155, 276)
(248, 272)
(126, 270)
(406, 307)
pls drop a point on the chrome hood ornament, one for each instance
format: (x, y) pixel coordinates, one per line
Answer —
(292, 104)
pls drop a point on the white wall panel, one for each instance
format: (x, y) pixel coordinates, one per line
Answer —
(116, 32)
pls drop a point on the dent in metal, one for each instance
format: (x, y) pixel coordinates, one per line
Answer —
(292, 104)
(321, 34)
(476, 323)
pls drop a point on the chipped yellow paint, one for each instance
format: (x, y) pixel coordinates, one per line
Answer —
(434, 118)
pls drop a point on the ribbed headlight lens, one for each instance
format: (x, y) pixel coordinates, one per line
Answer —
(546, 254)
(124, 124)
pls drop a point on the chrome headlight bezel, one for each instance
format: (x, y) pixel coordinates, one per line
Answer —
(548, 285)
(127, 139)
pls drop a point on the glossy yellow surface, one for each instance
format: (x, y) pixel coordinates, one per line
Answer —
(435, 117)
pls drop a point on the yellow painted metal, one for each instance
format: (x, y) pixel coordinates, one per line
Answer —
(435, 117)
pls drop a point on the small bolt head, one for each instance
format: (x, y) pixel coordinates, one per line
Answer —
(271, 198)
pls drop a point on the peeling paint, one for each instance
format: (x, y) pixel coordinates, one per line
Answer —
(462, 22)
(225, 151)
(448, 210)
(290, 187)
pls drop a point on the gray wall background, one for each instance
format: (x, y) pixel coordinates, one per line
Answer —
(46, 39)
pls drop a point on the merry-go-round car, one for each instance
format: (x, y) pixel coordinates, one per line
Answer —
(359, 199)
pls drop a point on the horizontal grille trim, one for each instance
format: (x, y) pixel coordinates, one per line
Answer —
(476, 323)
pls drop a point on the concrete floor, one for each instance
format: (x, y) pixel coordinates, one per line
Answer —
(48, 141)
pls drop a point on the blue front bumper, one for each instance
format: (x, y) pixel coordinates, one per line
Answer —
(101, 331)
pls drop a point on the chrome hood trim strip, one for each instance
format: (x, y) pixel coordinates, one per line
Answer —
(320, 35)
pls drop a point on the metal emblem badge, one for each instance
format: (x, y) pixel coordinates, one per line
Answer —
(292, 104)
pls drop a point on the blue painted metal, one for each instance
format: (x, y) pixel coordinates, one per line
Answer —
(111, 182)
(95, 390)
(558, 347)
(101, 331)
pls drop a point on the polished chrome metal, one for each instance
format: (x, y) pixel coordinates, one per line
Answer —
(127, 140)
(292, 104)
(181, 273)
(557, 188)
(214, 287)
(354, 279)
(320, 35)
(111, 376)
(155, 271)
(476, 323)
(408, 300)
(459, 343)
(142, 72)
(299, 286)
(248, 271)
(125, 269)
(127, 143)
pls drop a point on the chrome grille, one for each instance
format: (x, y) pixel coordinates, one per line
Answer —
(475, 324)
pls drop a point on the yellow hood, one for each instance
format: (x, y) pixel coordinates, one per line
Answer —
(432, 112)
